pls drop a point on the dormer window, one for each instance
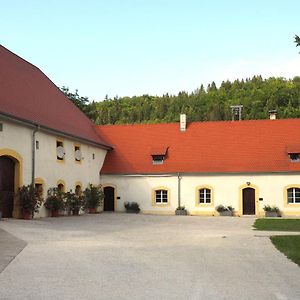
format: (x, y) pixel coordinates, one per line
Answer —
(294, 157)
(158, 159)
(159, 155)
(293, 152)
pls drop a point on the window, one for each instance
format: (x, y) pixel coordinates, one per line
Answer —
(60, 151)
(77, 153)
(78, 190)
(61, 187)
(161, 196)
(93, 155)
(293, 195)
(158, 159)
(294, 157)
(204, 195)
(40, 190)
(37, 145)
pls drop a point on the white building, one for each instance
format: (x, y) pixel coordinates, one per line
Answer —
(244, 164)
(46, 140)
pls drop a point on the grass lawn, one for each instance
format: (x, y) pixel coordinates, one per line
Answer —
(277, 224)
(289, 245)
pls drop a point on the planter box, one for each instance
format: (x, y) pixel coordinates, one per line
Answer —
(271, 214)
(226, 213)
(132, 211)
(181, 212)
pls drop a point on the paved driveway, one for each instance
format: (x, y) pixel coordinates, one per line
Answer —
(124, 256)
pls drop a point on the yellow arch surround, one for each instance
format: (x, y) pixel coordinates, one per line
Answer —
(285, 198)
(60, 181)
(39, 180)
(115, 188)
(256, 189)
(205, 186)
(78, 183)
(17, 158)
(161, 204)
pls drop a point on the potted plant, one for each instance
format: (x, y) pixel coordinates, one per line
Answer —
(73, 202)
(271, 211)
(93, 198)
(132, 207)
(225, 210)
(180, 211)
(30, 200)
(54, 201)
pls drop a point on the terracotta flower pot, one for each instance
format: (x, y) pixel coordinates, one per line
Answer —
(92, 210)
(27, 215)
(54, 213)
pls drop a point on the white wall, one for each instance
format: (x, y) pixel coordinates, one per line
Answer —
(227, 190)
(47, 168)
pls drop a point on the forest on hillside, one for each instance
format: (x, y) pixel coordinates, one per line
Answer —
(257, 95)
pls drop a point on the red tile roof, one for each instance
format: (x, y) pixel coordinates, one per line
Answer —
(205, 147)
(26, 93)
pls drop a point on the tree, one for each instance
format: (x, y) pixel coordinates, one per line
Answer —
(297, 40)
(80, 102)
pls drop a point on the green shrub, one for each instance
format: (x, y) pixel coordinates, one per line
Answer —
(93, 196)
(30, 198)
(132, 206)
(55, 199)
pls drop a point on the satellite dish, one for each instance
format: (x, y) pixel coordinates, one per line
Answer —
(60, 152)
(78, 155)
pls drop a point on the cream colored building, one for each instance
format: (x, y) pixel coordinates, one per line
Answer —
(44, 138)
(243, 164)
(48, 141)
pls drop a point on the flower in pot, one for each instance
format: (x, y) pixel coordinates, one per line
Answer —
(181, 211)
(132, 207)
(73, 202)
(271, 211)
(30, 200)
(93, 198)
(225, 210)
(54, 201)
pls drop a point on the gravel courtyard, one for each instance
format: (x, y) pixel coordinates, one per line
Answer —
(128, 256)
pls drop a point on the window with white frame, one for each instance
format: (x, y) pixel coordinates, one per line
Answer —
(204, 195)
(293, 195)
(161, 196)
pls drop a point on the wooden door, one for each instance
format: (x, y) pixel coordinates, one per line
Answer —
(248, 201)
(109, 198)
(7, 183)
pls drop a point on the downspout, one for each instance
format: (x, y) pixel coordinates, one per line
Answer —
(179, 189)
(33, 153)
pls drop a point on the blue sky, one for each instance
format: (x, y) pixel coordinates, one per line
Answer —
(134, 47)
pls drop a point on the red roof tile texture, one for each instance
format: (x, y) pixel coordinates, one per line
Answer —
(28, 94)
(205, 147)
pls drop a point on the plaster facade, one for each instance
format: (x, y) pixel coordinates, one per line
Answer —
(48, 170)
(227, 189)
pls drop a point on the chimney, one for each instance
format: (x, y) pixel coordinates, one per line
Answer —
(182, 122)
(272, 114)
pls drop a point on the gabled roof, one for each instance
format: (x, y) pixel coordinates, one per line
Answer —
(205, 147)
(27, 94)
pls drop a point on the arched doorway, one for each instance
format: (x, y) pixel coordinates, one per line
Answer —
(248, 201)
(109, 198)
(7, 185)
